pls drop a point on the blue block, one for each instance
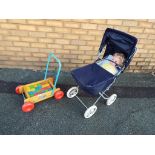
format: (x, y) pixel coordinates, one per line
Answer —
(31, 93)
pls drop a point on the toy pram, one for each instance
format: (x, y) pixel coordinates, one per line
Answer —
(94, 79)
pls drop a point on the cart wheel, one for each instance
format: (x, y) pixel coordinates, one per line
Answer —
(72, 92)
(111, 99)
(27, 107)
(90, 111)
(59, 95)
(19, 89)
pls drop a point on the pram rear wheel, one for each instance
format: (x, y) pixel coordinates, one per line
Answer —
(90, 111)
(111, 99)
(72, 92)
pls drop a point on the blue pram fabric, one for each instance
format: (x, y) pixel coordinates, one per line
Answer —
(94, 79)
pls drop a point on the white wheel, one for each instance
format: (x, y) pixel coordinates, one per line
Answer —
(111, 99)
(90, 111)
(72, 92)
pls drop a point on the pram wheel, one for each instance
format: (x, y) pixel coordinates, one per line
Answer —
(111, 99)
(72, 92)
(90, 111)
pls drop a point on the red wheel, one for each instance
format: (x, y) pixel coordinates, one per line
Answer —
(59, 95)
(18, 89)
(27, 107)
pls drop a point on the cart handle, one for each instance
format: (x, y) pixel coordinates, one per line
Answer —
(50, 56)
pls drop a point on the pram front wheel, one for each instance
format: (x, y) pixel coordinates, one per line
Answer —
(111, 99)
(90, 111)
(72, 92)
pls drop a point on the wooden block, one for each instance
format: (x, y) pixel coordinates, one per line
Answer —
(45, 88)
(45, 85)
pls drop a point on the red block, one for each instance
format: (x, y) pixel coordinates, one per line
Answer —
(45, 88)
(36, 94)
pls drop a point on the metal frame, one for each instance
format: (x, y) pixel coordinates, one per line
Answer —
(101, 94)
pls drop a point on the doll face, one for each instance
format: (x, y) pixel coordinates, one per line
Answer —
(118, 59)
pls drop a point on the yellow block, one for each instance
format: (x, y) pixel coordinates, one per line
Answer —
(45, 85)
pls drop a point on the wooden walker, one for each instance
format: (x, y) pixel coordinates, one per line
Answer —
(41, 90)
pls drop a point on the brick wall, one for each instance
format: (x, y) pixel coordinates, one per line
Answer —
(26, 43)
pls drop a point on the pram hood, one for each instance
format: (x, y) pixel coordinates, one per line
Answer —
(118, 41)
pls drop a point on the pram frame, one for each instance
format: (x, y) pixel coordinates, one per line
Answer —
(103, 93)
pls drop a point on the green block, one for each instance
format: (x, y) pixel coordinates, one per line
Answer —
(32, 87)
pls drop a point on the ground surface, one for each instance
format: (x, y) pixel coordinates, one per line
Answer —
(132, 113)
